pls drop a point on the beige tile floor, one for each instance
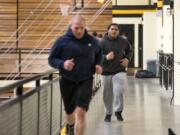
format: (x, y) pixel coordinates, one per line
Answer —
(147, 112)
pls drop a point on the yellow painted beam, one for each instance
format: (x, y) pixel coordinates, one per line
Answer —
(132, 11)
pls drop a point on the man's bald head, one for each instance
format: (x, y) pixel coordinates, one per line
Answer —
(78, 26)
(78, 18)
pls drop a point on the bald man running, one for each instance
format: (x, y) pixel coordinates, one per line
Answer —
(77, 55)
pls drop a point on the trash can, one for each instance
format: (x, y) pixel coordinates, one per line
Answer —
(152, 66)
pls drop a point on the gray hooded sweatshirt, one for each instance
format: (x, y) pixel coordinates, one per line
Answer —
(121, 48)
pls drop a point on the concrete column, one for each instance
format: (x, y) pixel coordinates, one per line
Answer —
(136, 48)
(149, 37)
(176, 52)
(167, 30)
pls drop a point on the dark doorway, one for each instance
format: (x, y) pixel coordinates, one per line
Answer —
(128, 31)
(140, 46)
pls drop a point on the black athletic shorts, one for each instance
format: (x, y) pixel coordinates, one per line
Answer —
(76, 94)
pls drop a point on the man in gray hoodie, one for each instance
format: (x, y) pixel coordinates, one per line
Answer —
(117, 53)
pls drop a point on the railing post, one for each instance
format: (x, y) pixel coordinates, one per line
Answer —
(17, 24)
(51, 102)
(38, 104)
(61, 104)
(19, 92)
(19, 62)
(60, 111)
(74, 4)
(38, 83)
(82, 3)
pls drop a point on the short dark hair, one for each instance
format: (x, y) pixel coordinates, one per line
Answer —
(113, 24)
(100, 35)
(94, 33)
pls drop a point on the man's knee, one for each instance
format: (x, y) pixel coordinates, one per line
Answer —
(80, 113)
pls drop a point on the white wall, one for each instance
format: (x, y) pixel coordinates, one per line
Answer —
(149, 37)
(154, 1)
(176, 52)
(167, 31)
(159, 30)
(133, 2)
(136, 21)
(127, 20)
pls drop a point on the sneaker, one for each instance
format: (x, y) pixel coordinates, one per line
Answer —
(119, 116)
(107, 118)
(69, 129)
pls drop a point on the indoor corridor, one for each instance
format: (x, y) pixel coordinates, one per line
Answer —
(147, 111)
(30, 99)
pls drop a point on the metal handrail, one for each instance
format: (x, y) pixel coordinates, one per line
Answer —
(27, 80)
(53, 115)
(24, 50)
